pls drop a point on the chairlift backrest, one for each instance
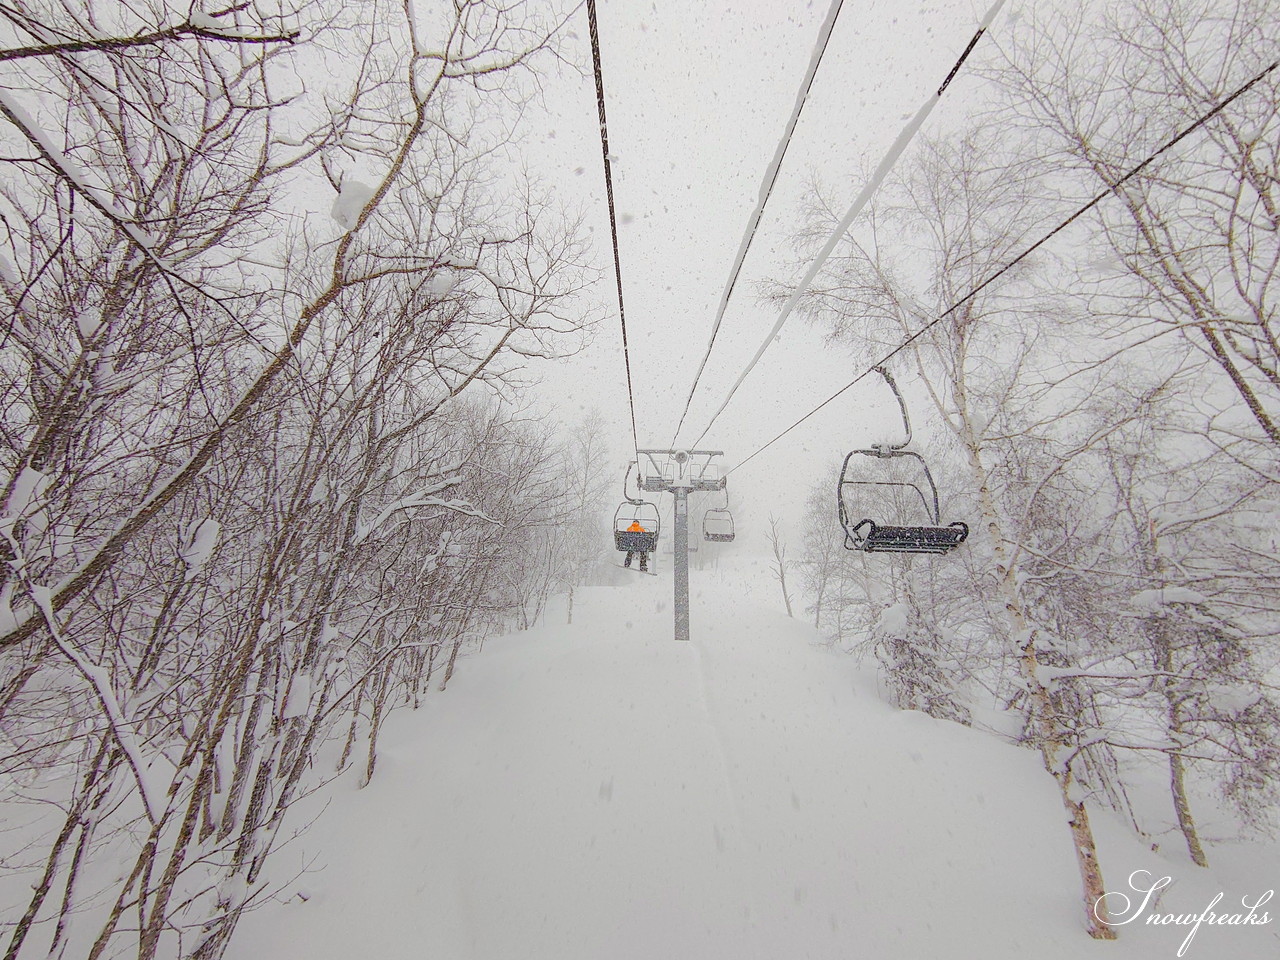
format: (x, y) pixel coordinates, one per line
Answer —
(898, 485)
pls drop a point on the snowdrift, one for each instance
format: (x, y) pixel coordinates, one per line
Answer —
(600, 791)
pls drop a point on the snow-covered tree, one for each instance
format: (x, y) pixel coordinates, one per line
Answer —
(247, 504)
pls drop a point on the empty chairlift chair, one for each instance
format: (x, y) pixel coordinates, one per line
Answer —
(717, 525)
(888, 500)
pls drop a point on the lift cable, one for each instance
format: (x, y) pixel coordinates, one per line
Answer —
(613, 218)
(1022, 256)
(766, 189)
(881, 172)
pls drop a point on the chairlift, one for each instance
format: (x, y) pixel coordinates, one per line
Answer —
(635, 513)
(717, 525)
(893, 493)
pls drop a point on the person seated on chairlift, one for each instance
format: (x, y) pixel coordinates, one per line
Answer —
(644, 556)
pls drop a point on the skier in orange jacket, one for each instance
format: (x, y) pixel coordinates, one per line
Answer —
(644, 556)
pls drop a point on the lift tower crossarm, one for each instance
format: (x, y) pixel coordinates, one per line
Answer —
(693, 475)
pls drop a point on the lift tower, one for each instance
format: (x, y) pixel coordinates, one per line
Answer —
(680, 472)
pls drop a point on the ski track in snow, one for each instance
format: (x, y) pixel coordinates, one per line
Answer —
(709, 715)
(601, 791)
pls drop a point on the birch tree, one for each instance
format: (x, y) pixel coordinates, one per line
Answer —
(1182, 264)
(1192, 248)
(968, 207)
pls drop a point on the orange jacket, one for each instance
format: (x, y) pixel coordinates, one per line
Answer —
(636, 528)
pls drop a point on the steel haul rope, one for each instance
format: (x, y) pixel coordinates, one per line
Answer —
(613, 219)
(882, 171)
(766, 189)
(1112, 188)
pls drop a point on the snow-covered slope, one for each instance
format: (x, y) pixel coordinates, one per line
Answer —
(600, 791)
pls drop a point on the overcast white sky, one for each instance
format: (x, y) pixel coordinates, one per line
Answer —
(698, 93)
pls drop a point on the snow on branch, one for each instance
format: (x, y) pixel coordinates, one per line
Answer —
(1155, 601)
(352, 198)
(151, 785)
(69, 170)
(200, 539)
(422, 498)
(199, 24)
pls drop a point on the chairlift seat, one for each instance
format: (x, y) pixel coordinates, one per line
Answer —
(874, 538)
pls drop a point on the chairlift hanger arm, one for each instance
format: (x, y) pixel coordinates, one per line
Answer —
(625, 476)
(902, 405)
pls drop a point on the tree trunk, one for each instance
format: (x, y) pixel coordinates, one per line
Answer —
(95, 786)
(378, 697)
(351, 730)
(1186, 822)
(786, 597)
(1173, 711)
(52, 865)
(1043, 724)
(1098, 922)
(453, 656)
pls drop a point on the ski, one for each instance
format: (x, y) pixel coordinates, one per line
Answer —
(647, 573)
